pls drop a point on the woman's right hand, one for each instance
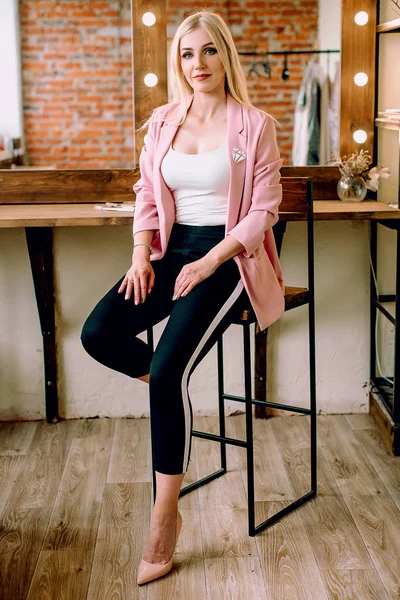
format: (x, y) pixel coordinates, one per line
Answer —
(140, 277)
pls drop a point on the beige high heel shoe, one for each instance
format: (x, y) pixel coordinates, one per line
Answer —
(150, 571)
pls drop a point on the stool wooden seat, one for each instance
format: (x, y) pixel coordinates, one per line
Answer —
(294, 296)
(297, 197)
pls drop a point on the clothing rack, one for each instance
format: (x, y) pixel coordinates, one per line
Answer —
(285, 53)
(289, 52)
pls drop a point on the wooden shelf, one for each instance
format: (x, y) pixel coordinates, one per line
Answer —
(387, 123)
(389, 26)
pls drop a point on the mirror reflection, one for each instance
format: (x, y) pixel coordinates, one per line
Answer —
(300, 89)
(72, 80)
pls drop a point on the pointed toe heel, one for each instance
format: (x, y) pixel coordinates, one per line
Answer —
(150, 571)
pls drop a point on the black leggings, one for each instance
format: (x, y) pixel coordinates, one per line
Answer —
(194, 325)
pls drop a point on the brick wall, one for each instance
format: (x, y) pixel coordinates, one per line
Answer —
(77, 83)
(77, 76)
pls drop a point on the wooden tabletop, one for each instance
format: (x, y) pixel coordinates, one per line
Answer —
(367, 209)
(65, 215)
(60, 215)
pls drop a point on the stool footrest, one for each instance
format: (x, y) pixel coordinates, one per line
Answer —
(286, 510)
(219, 438)
(299, 409)
(192, 486)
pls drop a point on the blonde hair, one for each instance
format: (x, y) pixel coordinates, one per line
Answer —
(235, 81)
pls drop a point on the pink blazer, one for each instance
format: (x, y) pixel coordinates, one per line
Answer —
(254, 196)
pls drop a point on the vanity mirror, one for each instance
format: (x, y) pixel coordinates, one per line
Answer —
(297, 80)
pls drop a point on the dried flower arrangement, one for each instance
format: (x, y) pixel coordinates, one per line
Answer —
(358, 164)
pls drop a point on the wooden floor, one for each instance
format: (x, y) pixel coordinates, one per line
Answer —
(75, 501)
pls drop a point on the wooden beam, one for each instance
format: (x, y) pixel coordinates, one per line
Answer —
(149, 55)
(359, 55)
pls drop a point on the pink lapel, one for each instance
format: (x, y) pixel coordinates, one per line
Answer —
(237, 141)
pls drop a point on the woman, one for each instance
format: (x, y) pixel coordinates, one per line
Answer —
(206, 201)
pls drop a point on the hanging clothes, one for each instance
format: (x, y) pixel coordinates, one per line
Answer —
(311, 122)
(334, 112)
(324, 139)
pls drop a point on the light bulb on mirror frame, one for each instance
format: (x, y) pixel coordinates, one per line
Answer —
(360, 136)
(148, 19)
(150, 79)
(361, 79)
(361, 18)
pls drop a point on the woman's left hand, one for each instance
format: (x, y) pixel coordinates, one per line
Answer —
(192, 274)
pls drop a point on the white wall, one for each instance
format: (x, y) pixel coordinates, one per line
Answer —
(89, 260)
(329, 32)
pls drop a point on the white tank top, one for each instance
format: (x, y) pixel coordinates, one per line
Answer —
(199, 185)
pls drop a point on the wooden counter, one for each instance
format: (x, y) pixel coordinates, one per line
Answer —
(73, 215)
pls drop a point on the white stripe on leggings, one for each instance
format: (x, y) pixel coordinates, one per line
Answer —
(185, 395)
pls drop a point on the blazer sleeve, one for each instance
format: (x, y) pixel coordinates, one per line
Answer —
(146, 214)
(266, 194)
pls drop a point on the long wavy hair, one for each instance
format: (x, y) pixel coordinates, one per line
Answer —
(235, 81)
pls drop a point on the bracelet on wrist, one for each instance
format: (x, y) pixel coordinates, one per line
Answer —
(143, 244)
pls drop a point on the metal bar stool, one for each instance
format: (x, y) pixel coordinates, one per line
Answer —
(298, 199)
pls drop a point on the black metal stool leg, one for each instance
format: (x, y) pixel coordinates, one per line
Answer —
(313, 399)
(221, 402)
(249, 426)
(150, 342)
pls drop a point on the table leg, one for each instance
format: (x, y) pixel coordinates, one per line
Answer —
(261, 337)
(40, 247)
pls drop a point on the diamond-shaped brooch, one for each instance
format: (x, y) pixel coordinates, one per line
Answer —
(238, 155)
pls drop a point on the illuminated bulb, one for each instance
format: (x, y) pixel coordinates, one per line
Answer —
(361, 18)
(149, 19)
(360, 136)
(361, 79)
(151, 79)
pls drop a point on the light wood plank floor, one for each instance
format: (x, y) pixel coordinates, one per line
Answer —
(75, 503)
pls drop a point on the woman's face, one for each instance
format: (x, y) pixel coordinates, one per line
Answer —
(196, 60)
